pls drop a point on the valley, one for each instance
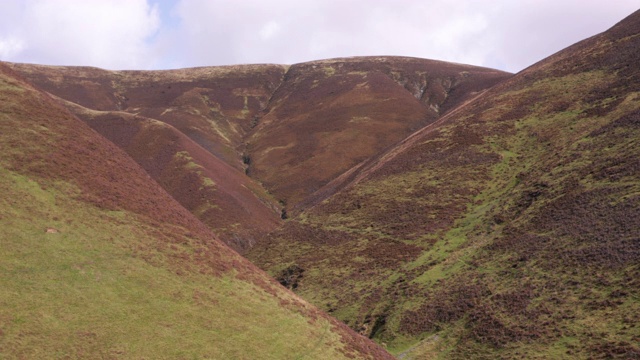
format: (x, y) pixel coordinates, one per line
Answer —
(407, 207)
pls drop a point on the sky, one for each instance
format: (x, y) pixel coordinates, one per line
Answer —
(167, 34)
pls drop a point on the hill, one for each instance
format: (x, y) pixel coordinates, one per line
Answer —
(98, 261)
(332, 115)
(443, 210)
(507, 228)
(199, 132)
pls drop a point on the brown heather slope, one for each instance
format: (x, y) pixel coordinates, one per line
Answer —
(215, 106)
(509, 228)
(185, 127)
(331, 115)
(99, 261)
(165, 119)
(221, 196)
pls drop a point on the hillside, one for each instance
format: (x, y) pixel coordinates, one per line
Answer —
(332, 115)
(199, 132)
(183, 128)
(508, 228)
(98, 261)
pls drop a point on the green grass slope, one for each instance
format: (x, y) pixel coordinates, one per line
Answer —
(98, 261)
(509, 228)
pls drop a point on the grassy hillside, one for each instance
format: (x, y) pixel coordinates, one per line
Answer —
(98, 261)
(509, 228)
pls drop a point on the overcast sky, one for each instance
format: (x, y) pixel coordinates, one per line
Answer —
(162, 34)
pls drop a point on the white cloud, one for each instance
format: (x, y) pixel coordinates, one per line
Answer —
(505, 34)
(269, 30)
(495, 33)
(10, 47)
(105, 33)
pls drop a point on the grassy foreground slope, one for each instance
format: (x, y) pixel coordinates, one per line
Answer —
(509, 228)
(98, 261)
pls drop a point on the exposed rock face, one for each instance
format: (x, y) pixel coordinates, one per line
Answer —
(290, 277)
